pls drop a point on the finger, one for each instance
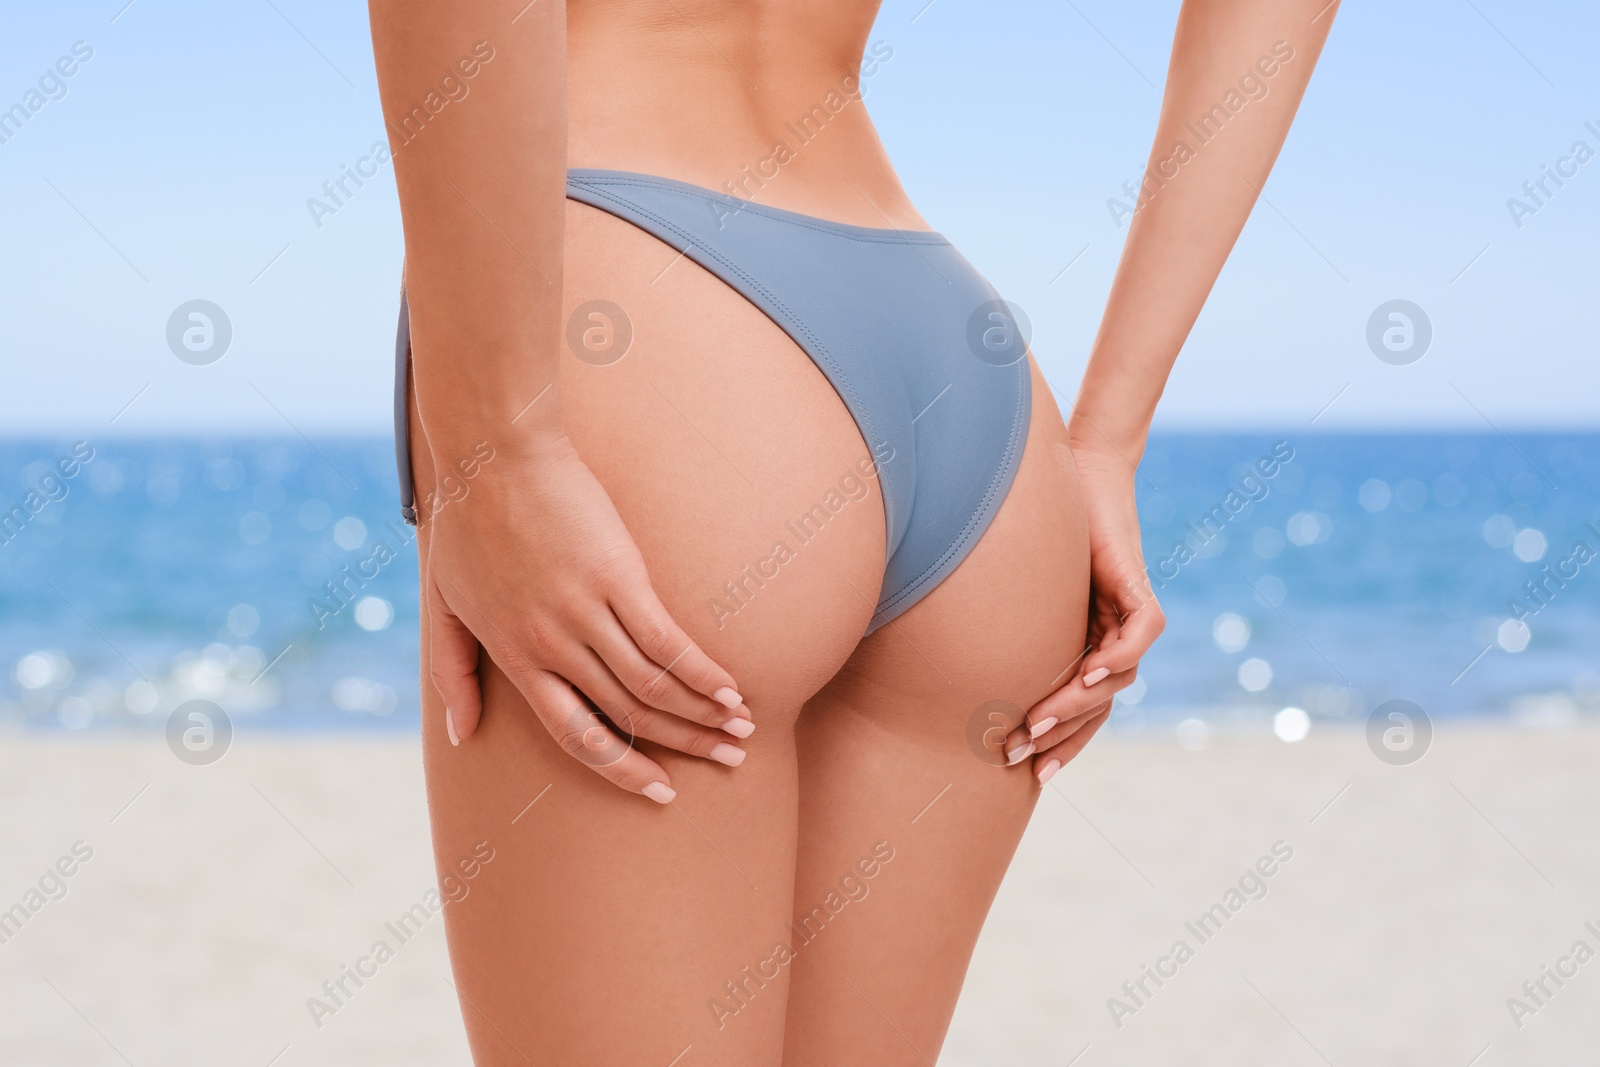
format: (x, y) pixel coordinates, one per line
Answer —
(453, 668)
(1125, 644)
(636, 719)
(1049, 761)
(1066, 728)
(651, 685)
(590, 740)
(1068, 713)
(1074, 699)
(1019, 745)
(664, 643)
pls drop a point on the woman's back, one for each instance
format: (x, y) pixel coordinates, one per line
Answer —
(759, 99)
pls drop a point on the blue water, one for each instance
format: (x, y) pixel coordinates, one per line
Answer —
(1395, 598)
(183, 569)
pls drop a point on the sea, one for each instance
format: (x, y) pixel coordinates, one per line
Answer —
(1307, 578)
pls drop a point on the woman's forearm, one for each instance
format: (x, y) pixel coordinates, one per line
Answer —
(475, 105)
(1238, 71)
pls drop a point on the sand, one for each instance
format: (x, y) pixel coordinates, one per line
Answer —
(1415, 902)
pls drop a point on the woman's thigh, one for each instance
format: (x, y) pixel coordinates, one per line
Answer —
(607, 929)
(907, 820)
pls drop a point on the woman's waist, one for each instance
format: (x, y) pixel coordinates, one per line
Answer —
(826, 170)
(802, 141)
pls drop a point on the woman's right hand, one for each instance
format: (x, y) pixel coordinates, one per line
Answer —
(536, 566)
(1124, 617)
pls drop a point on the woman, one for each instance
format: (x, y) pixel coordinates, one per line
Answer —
(763, 583)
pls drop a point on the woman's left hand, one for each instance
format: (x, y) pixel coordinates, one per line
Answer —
(1124, 617)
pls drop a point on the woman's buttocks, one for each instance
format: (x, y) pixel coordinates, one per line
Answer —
(716, 436)
(700, 327)
(760, 99)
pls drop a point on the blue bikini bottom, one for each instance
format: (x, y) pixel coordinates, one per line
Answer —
(928, 359)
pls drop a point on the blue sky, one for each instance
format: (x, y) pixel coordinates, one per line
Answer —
(178, 164)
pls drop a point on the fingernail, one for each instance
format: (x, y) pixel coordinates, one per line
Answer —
(1042, 725)
(1095, 675)
(1020, 753)
(739, 727)
(450, 726)
(727, 697)
(1048, 771)
(660, 792)
(730, 755)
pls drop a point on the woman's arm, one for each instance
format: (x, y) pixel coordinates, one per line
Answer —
(482, 185)
(1237, 73)
(1258, 56)
(535, 565)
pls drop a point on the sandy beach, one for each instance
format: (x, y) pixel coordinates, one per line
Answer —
(1359, 913)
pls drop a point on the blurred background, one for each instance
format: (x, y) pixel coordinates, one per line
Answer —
(1404, 328)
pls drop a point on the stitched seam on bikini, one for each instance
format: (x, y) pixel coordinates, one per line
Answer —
(964, 542)
(838, 229)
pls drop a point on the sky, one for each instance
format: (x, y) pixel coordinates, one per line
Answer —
(175, 164)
